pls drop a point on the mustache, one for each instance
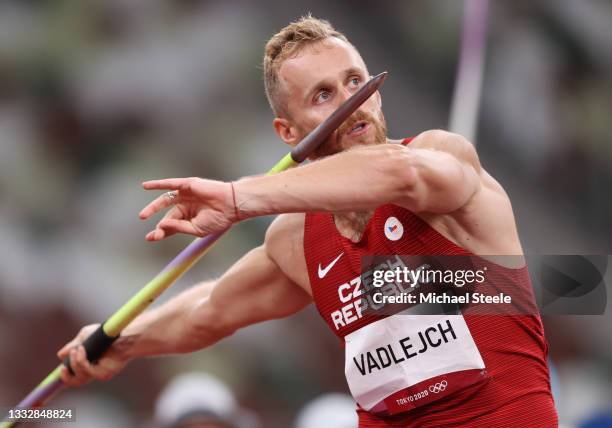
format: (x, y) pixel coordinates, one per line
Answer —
(349, 123)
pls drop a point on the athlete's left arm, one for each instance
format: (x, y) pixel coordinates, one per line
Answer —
(439, 172)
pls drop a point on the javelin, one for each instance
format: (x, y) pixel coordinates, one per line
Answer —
(468, 84)
(102, 339)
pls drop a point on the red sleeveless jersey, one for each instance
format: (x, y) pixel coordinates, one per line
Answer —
(513, 347)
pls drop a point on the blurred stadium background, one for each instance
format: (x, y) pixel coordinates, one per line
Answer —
(97, 96)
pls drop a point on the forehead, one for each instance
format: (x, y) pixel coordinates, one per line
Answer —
(322, 60)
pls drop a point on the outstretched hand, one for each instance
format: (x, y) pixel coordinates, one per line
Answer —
(199, 207)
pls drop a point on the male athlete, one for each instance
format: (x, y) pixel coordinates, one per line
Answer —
(365, 194)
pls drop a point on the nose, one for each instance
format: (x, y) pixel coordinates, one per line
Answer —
(343, 94)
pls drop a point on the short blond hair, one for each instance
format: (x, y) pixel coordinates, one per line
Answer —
(288, 42)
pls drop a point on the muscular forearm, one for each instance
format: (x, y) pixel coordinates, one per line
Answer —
(167, 329)
(253, 290)
(439, 173)
(359, 179)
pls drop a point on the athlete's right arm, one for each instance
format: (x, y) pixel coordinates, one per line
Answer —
(252, 290)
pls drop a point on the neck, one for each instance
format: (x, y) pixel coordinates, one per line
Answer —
(351, 225)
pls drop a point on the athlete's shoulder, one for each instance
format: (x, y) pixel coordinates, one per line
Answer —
(285, 235)
(445, 141)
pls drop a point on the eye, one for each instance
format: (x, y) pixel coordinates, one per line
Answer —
(322, 97)
(355, 82)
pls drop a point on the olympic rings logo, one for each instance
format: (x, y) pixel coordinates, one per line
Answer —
(438, 387)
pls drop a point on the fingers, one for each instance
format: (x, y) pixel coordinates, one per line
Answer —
(163, 201)
(84, 371)
(155, 235)
(63, 353)
(65, 376)
(170, 226)
(159, 233)
(156, 205)
(83, 334)
(81, 375)
(167, 184)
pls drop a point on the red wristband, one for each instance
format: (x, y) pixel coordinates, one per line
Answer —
(234, 199)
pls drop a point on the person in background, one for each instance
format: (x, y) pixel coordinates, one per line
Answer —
(200, 400)
(332, 410)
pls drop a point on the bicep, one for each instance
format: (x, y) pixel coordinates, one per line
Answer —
(255, 290)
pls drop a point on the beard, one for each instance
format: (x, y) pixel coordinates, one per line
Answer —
(337, 142)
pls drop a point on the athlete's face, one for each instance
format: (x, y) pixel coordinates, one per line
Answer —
(315, 83)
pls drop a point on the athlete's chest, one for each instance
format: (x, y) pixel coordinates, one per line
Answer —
(340, 271)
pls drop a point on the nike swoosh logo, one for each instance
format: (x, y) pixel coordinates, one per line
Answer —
(323, 272)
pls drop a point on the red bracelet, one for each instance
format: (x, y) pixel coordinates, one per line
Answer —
(234, 199)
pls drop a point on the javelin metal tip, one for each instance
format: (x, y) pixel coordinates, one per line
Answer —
(377, 81)
(382, 76)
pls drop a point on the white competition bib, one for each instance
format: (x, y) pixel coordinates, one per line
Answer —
(405, 361)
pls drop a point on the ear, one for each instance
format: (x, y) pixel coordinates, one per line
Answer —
(286, 131)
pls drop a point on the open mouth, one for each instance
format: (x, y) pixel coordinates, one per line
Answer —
(358, 128)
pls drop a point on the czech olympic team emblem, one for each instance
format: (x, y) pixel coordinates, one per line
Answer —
(393, 229)
(438, 387)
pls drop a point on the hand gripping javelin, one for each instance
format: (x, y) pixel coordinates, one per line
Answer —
(102, 339)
